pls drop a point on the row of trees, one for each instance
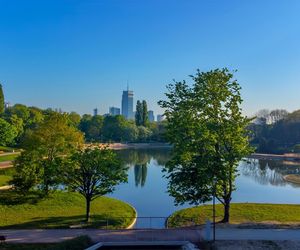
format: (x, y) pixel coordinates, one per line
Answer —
(281, 136)
(18, 120)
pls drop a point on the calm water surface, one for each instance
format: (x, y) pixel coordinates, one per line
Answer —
(258, 181)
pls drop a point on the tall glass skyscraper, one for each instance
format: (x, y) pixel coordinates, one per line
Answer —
(127, 104)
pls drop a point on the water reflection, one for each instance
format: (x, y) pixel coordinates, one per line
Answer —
(268, 171)
(141, 159)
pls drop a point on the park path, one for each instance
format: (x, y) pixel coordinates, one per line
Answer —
(192, 235)
(56, 235)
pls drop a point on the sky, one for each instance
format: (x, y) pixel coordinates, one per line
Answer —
(79, 55)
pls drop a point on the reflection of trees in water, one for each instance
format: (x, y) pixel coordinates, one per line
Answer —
(267, 171)
(140, 174)
(139, 159)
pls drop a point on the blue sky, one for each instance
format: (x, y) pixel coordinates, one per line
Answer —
(78, 55)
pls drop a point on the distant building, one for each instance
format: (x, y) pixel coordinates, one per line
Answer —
(6, 105)
(95, 111)
(127, 104)
(160, 118)
(150, 116)
(114, 111)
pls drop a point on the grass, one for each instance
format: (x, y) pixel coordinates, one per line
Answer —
(61, 210)
(78, 243)
(8, 149)
(240, 213)
(8, 157)
(294, 178)
(4, 179)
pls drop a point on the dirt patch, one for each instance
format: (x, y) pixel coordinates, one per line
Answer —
(294, 178)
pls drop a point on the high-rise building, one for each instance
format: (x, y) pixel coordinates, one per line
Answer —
(114, 111)
(150, 116)
(127, 104)
(160, 118)
(95, 111)
(6, 105)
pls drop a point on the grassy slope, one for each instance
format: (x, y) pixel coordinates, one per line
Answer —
(78, 243)
(60, 210)
(4, 179)
(240, 213)
(8, 157)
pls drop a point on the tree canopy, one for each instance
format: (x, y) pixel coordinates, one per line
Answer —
(209, 137)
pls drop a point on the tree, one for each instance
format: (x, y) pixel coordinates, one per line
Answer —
(1, 100)
(52, 140)
(7, 133)
(114, 128)
(144, 114)
(209, 137)
(74, 119)
(94, 173)
(28, 172)
(139, 114)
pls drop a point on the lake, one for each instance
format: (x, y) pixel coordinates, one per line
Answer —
(146, 190)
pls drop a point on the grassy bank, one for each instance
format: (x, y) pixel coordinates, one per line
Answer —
(8, 157)
(240, 213)
(78, 243)
(6, 176)
(61, 210)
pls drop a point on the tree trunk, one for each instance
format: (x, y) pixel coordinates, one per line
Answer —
(88, 205)
(226, 210)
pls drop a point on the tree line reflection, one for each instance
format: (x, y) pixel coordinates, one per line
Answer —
(269, 171)
(140, 159)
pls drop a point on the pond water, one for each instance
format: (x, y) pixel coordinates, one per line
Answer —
(146, 189)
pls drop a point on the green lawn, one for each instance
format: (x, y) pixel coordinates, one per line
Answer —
(8, 149)
(240, 213)
(61, 210)
(4, 179)
(78, 243)
(8, 157)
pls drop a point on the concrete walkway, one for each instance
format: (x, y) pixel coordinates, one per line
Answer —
(56, 235)
(257, 234)
(192, 235)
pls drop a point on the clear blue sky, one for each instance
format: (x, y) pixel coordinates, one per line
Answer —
(78, 55)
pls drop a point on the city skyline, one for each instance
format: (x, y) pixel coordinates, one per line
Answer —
(56, 53)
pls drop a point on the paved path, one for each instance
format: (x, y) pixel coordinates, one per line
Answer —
(6, 164)
(56, 235)
(257, 234)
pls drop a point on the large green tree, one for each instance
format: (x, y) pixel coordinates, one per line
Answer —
(208, 132)
(7, 133)
(52, 140)
(139, 114)
(94, 173)
(144, 114)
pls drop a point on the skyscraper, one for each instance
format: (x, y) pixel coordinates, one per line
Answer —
(114, 111)
(127, 104)
(95, 111)
(151, 116)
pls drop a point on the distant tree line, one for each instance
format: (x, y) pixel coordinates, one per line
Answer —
(19, 120)
(276, 131)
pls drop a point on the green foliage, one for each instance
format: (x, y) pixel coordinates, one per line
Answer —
(94, 173)
(1, 100)
(45, 148)
(144, 133)
(144, 114)
(209, 137)
(28, 172)
(7, 133)
(74, 119)
(91, 126)
(139, 114)
(114, 128)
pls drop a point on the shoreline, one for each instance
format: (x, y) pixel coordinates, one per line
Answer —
(118, 146)
(284, 157)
